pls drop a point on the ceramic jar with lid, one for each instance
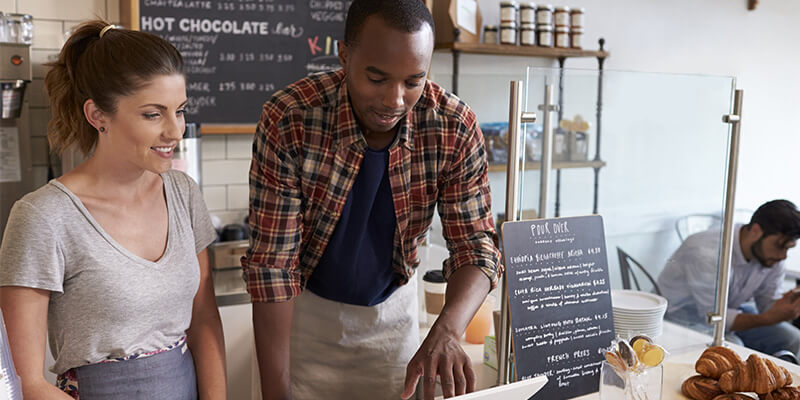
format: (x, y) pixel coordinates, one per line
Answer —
(561, 16)
(544, 35)
(544, 14)
(508, 11)
(490, 34)
(527, 35)
(562, 37)
(527, 13)
(576, 17)
(508, 33)
(575, 38)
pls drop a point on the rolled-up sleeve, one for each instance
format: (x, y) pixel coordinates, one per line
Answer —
(271, 266)
(465, 209)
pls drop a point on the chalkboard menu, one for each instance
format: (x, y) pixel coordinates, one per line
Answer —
(239, 52)
(559, 302)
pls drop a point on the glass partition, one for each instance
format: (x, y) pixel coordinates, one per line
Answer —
(648, 152)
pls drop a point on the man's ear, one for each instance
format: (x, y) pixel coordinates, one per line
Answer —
(755, 230)
(343, 54)
(94, 115)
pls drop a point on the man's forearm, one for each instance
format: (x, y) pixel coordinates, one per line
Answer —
(745, 321)
(272, 323)
(466, 289)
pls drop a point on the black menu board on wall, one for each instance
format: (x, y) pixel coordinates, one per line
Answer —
(559, 302)
(238, 52)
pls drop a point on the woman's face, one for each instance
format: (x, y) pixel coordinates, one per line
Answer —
(148, 124)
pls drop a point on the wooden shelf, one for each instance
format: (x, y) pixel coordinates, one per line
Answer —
(515, 50)
(537, 165)
(219, 129)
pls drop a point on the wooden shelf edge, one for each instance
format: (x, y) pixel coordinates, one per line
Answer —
(224, 129)
(536, 165)
(517, 50)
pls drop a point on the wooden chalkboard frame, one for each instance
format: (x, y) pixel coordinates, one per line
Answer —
(129, 17)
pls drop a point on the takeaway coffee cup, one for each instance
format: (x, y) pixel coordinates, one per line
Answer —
(435, 286)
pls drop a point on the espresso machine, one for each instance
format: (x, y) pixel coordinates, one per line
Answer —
(15, 149)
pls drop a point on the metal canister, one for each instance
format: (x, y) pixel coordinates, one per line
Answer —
(186, 156)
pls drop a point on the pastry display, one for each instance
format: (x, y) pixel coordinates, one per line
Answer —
(700, 387)
(734, 396)
(757, 374)
(716, 360)
(784, 393)
(724, 376)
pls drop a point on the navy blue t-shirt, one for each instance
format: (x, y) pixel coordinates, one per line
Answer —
(356, 267)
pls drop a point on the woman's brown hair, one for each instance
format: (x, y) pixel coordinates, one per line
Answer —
(102, 69)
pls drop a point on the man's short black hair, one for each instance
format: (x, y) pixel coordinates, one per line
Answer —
(403, 15)
(778, 216)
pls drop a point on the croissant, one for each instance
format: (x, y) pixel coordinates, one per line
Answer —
(755, 375)
(784, 393)
(700, 388)
(715, 361)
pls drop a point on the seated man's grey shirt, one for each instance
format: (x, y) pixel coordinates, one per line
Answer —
(689, 279)
(105, 302)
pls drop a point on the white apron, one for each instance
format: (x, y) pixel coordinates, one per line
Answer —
(342, 351)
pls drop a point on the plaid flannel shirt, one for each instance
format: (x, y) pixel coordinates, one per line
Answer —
(306, 154)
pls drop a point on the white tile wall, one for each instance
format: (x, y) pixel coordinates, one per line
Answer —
(215, 197)
(50, 18)
(238, 197)
(63, 9)
(225, 172)
(7, 5)
(47, 34)
(239, 146)
(213, 147)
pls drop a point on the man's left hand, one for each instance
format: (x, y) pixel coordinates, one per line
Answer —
(440, 354)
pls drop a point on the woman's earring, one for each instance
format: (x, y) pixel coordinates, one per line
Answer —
(102, 129)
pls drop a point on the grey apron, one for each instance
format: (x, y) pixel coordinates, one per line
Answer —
(169, 375)
(342, 351)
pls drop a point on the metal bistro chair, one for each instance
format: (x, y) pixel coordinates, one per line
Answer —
(690, 224)
(625, 261)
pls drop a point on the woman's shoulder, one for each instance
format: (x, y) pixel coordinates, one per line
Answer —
(47, 199)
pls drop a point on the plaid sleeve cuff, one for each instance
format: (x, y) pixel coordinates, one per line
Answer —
(270, 285)
(487, 259)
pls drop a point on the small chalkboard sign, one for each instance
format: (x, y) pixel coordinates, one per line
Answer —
(238, 53)
(559, 302)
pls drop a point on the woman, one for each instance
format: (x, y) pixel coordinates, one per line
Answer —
(110, 259)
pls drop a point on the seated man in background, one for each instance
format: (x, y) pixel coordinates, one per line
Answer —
(689, 279)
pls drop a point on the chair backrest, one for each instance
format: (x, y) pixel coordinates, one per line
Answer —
(690, 224)
(625, 264)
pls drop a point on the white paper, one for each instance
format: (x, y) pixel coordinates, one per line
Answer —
(467, 15)
(10, 166)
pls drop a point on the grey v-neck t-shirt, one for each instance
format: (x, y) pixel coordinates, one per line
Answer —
(105, 302)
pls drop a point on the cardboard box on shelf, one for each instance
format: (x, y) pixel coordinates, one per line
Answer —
(464, 15)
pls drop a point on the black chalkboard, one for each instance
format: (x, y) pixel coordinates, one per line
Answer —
(239, 52)
(559, 302)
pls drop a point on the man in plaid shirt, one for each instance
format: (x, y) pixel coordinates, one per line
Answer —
(348, 167)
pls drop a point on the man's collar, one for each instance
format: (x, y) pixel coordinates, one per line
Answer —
(348, 131)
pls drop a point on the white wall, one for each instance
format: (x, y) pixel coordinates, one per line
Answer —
(717, 37)
(665, 158)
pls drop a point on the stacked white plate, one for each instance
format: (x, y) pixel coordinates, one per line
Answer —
(10, 385)
(638, 313)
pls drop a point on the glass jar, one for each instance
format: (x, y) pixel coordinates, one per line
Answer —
(561, 16)
(508, 33)
(19, 28)
(3, 28)
(576, 17)
(527, 13)
(562, 37)
(544, 15)
(527, 35)
(575, 38)
(508, 11)
(490, 34)
(544, 35)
